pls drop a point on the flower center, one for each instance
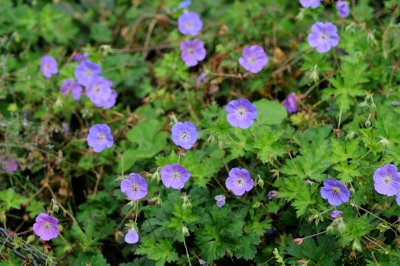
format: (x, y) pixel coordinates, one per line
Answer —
(7, 164)
(46, 67)
(88, 73)
(189, 25)
(323, 36)
(175, 175)
(335, 190)
(184, 135)
(96, 89)
(387, 180)
(240, 181)
(135, 187)
(241, 112)
(47, 225)
(101, 137)
(251, 60)
(190, 51)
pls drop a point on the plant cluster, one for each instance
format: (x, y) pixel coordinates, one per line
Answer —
(200, 133)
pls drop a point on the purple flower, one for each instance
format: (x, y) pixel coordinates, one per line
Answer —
(241, 113)
(48, 66)
(323, 36)
(343, 9)
(192, 52)
(46, 227)
(184, 134)
(253, 58)
(65, 127)
(190, 23)
(79, 57)
(398, 198)
(290, 103)
(335, 192)
(272, 194)
(174, 176)
(310, 3)
(220, 200)
(336, 214)
(184, 4)
(9, 165)
(134, 187)
(203, 262)
(387, 180)
(271, 231)
(132, 236)
(100, 137)
(86, 71)
(201, 78)
(239, 181)
(73, 87)
(100, 92)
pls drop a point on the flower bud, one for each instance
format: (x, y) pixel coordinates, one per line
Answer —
(314, 74)
(384, 142)
(30, 239)
(341, 226)
(185, 231)
(260, 182)
(55, 207)
(298, 241)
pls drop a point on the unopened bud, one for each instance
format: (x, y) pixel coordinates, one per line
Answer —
(314, 74)
(185, 231)
(30, 239)
(342, 227)
(260, 182)
(298, 241)
(384, 142)
(55, 208)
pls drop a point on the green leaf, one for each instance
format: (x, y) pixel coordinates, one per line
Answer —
(322, 252)
(147, 140)
(100, 32)
(294, 189)
(35, 207)
(269, 112)
(248, 247)
(221, 232)
(10, 200)
(161, 251)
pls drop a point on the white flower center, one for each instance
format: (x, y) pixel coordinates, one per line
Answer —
(189, 25)
(335, 190)
(184, 135)
(135, 187)
(241, 112)
(240, 181)
(387, 180)
(47, 225)
(324, 37)
(101, 137)
(175, 175)
(96, 89)
(251, 60)
(88, 73)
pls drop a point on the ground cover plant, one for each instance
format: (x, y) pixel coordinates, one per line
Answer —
(199, 132)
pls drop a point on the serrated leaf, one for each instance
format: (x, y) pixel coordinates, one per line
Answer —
(269, 112)
(10, 199)
(161, 251)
